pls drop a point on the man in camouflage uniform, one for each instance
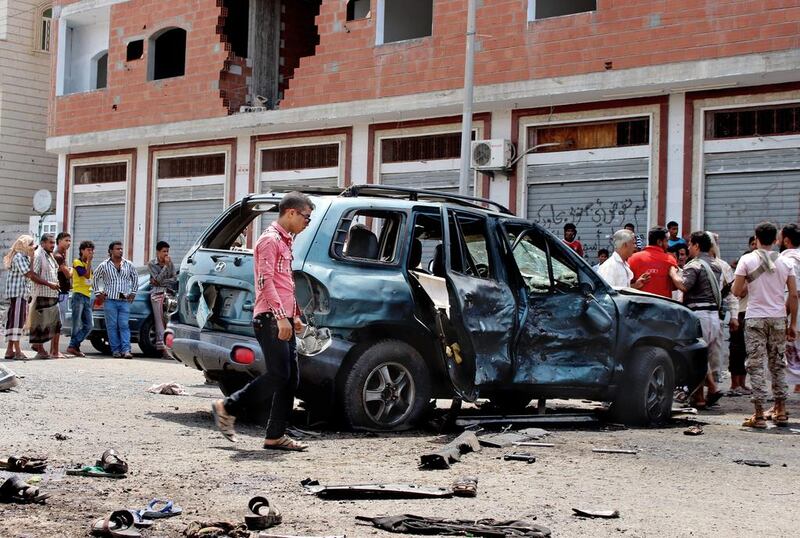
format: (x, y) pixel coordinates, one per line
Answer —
(763, 277)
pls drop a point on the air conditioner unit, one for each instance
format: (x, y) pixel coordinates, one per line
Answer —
(493, 154)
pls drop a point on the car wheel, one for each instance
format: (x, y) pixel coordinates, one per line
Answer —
(100, 343)
(645, 396)
(387, 387)
(147, 338)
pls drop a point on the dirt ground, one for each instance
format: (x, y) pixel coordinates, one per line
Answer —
(675, 486)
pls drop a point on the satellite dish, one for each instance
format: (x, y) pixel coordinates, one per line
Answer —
(42, 201)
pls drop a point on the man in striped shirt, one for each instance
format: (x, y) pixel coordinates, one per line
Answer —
(119, 286)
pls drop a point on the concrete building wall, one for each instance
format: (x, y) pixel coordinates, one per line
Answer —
(25, 166)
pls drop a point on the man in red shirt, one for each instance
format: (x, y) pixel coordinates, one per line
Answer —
(275, 315)
(654, 260)
(570, 232)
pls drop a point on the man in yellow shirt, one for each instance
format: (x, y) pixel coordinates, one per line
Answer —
(81, 298)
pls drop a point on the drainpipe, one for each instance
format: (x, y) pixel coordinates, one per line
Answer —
(469, 79)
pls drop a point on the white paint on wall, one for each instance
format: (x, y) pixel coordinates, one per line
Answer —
(242, 183)
(675, 154)
(499, 185)
(359, 164)
(140, 257)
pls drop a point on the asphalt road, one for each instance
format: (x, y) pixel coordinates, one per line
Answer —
(675, 485)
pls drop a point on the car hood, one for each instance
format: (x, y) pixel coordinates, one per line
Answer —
(643, 313)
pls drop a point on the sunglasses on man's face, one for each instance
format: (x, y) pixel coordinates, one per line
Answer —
(305, 216)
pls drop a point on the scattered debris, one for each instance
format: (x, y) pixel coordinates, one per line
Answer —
(24, 464)
(606, 514)
(614, 451)
(683, 411)
(61, 437)
(451, 453)
(256, 520)
(502, 420)
(170, 389)
(373, 491)
(466, 486)
(753, 463)
(110, 465)
(520, 456)
(410, 524)
(535, 445)
(506, 439)
(693, 430)
(216, 529)
(16, 490)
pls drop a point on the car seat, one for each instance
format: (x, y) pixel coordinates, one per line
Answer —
(362, 243)
(437, 263)
(415, 256)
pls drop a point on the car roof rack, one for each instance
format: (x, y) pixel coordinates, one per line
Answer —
(421, 194)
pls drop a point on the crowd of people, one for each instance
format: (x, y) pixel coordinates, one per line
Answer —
(42, 286)
(756, 294)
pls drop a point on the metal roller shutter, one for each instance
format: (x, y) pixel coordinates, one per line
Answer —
(181, 223)
(437, 180)
(598, 197)
(100, 224)
(745, 188)
(289, 185)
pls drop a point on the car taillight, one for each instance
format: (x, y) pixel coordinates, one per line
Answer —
(169, 339)
(243, 355)
(98, 303)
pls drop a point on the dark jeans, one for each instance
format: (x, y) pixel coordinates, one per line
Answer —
(738, 353)
(277, 385)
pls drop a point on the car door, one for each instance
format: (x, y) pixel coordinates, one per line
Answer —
(482, 304)
(568, 322)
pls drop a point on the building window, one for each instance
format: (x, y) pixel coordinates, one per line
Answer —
(44, 23)
(612, 134)
(400, 20)
(191, 166)
(750, 122)
(300, 158)
(134, 51)
(100, 70)
(168, 54)
(421, 148)
(545, 9)
(100, 173)
(358, 9)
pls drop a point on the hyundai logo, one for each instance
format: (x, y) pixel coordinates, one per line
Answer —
(219, 267)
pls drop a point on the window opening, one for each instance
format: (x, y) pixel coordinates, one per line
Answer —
(300, 158)
(613, 134)
(368, 235)
(299, 37)
(100, 173)
(135, 50)
(544, 9)
(357, 9)
(406, 19)
(421, 148)
(168, 51)
(101, 71)
(543, 264)
(236, 27)
(45, 25)
(191, 166)
(426, 249)
(469, 245)
(764, 121)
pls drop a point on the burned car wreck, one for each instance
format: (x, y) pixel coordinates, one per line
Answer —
(413, 295)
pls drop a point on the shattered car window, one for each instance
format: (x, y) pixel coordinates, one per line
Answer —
(469, 250)
(531, 260)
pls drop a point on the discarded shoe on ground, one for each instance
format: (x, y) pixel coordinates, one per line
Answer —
(466, 486)
(16, 490)
(110, 465)
(24, 464)
(216, 529)
(373, 491)
(263, 515)
(140, 522)
(117, 523)
(159, 509)
(170, 389)
(8, 379)
(410, 524)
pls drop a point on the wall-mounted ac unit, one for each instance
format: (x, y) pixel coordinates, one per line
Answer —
(493, 154)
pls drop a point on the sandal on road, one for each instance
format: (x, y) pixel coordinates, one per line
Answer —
(93, 471)
(24, 464)
(223, 420)
(111, 462)
(286, 443)
(16, 490)
(159, 509)
(118, 523)
(140, 522)
(263, 515)
(466, 486)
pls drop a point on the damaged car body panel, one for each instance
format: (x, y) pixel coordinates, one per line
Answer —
(417, 295)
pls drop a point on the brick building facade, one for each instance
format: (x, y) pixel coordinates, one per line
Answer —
(163, 112)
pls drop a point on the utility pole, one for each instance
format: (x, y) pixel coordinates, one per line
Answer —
(469, 80)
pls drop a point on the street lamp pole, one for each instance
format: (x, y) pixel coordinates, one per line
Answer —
(469, 79)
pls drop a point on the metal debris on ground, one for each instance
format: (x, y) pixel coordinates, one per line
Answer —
(606, 514)
(490, 528)
(693, 430)
(451, 452)
(508, 438)
(753, 463)
(614, 451)
(520, 456)
(373, 491)
(535, 445)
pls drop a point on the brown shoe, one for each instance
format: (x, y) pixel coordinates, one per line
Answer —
(223, 420)
(778, 413)
(757, 420)
(75, 352)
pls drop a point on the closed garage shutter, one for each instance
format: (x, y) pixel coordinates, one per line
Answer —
(598, 197)
(745, 188)
(100, 224)
(289, 185)
(181, 223)
(436, 180)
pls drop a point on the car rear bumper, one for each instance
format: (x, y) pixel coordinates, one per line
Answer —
(210, 351)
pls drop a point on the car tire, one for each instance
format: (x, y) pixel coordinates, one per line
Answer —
(645, 396)
(100, 343)
(386, 388)
(147, 338)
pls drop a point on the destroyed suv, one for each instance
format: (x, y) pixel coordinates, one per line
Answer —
(413, 295)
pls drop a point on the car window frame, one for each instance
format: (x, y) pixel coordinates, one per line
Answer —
(399, 248)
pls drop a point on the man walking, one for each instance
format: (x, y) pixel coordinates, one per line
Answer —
(654, 260)
(275, 315)
(162, 277)
(45, 323)
(63, 242)
(121, 282)
(81, 298)
(764, 276)
(616, 270)
(570, 234)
